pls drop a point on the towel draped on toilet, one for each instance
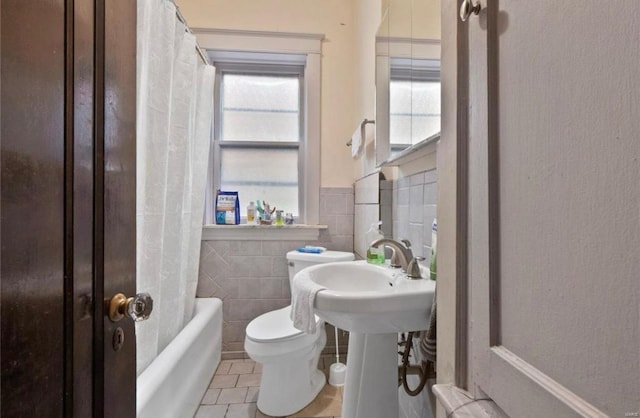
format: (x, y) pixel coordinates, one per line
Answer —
(303, 296)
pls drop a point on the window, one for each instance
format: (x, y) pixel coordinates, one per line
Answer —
(414, 102)
(260, 134)
(266, 136)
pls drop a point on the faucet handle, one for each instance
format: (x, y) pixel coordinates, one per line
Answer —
(395, 261)
(413, 269)
(407, 244)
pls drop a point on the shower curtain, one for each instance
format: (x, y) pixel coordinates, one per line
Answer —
(174, 112)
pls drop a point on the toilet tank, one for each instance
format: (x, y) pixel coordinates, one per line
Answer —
(297, 260)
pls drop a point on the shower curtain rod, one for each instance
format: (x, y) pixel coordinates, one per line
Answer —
(199, 50)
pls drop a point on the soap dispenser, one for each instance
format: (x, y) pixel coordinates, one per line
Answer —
(374, 255)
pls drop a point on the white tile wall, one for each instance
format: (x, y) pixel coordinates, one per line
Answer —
(367, 189)
(386, 207)
(414, 208)
(367, 210)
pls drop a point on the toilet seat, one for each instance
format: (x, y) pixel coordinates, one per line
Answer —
(275, 326)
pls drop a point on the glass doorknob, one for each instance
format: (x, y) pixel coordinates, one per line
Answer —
(137, 308)
(467, 8)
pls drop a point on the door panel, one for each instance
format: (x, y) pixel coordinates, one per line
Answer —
(82, 147)
(68, 230)
(32, 208)
(119, 199)
(554, 226)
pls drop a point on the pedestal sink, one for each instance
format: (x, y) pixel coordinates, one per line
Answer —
(374, 303)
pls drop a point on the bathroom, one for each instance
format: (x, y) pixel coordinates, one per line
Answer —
(247, 269)
(195, 195)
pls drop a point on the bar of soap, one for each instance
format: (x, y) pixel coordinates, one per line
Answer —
(311, 249)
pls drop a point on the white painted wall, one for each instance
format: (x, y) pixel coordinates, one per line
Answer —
(367, 16)
(426, 21)
(414, 18)
(334, 19)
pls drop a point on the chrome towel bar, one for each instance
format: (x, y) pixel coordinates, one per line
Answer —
(362, 124)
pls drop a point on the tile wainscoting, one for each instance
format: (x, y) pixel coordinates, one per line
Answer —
(414, 208)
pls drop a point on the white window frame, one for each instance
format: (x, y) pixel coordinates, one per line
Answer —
(224, 45)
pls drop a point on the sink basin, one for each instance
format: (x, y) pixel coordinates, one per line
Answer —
(352, 277)
(366, 298)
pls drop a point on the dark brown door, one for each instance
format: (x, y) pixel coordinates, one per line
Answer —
(119, 194)
(32, 208)
(67, 206)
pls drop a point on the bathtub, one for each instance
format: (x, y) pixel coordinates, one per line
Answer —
(174, 383)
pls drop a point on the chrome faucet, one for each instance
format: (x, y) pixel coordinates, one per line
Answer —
(403, 254)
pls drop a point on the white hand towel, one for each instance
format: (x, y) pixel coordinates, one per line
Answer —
(303, 296)
(357, 142)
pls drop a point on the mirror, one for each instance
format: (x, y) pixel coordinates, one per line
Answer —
(407, 78)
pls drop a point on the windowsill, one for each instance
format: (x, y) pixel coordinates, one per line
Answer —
(244, 232)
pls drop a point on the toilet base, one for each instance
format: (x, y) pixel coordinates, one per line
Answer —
(286, 389)
(290, 379)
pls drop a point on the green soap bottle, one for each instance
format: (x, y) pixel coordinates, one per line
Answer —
(374, 255)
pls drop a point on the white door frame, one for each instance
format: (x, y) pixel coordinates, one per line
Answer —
(452, 204)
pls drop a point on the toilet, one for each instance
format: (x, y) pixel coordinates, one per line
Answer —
(289, 357)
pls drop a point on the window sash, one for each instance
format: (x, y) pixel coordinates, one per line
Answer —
(245, 68)
(262, 174)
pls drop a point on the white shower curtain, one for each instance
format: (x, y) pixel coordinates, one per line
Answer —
(175, 107)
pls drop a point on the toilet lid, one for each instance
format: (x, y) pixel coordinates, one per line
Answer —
(273, 326)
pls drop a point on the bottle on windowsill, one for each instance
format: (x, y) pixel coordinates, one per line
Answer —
(251, 213)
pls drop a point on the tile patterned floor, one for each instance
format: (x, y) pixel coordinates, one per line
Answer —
(233, 393)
